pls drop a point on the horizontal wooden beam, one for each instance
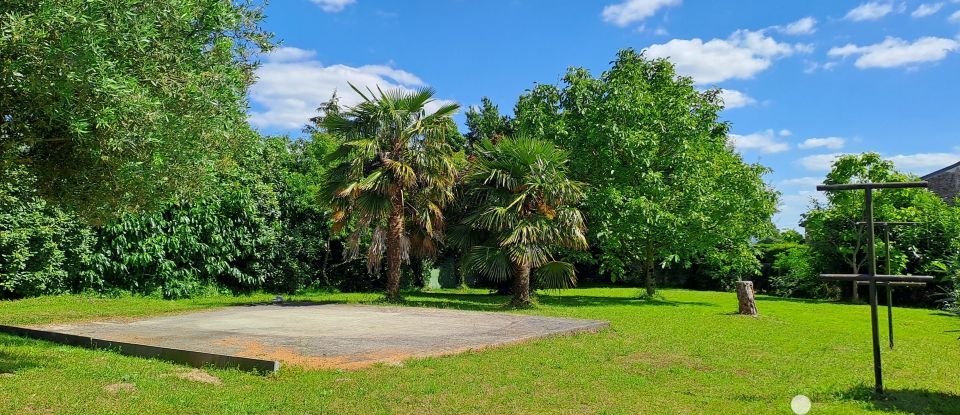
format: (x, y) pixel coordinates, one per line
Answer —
(861, 186)
(895, 283)
(877, 278)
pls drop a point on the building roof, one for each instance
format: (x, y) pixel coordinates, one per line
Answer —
(936, 173)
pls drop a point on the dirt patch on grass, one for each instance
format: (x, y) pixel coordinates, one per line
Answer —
(116, 388)
(197, 375)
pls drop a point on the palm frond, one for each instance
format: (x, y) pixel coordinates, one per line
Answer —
(491, 262)
(556, 275)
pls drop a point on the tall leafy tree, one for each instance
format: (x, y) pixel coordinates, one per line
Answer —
(121, 105)
(395, 176)
(486, 123)
(666, 186)
(523, 209)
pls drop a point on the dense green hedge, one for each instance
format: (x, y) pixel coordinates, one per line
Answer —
(43, 250)
(263, 229)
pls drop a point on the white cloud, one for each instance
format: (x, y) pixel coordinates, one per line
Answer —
(833, 143)
(804, 26)
(785, 133)
(893, 52)
(741, 56)
(926, 9)
(923, 163)
(819, 162)
(813, 66)
(291, 85)
(955, 17)
(762, 141)
(870, 11)
(735, 99)
(333, 6)
(630, 11)
(918, 163)
(807, 181)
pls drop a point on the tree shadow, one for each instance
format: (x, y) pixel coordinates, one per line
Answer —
(594, 301)
(493, 302)
(912, 401)
(805, 300)
(458, 301)
(11, 363)
(490, 302)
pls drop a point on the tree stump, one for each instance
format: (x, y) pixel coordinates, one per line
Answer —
(748, 305)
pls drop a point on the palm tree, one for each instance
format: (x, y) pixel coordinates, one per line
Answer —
(395, 173)
(522, 208)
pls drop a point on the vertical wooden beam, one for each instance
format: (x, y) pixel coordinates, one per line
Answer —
(886, 258)
(872, 262)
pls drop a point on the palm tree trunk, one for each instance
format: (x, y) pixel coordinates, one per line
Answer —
(521, 286)
(394, 255)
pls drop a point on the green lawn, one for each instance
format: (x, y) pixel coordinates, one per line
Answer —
(684, 353)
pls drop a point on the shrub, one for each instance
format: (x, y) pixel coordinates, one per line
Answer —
(43, 250)
(796, 274)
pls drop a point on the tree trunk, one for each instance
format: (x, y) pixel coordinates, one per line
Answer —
(855, 294)
(394, 254)
(521, 286)
(648, 268)
(748, 306)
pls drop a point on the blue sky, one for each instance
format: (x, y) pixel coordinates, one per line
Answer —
(803, 80)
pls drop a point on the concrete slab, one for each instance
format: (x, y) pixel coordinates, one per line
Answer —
(330, 335)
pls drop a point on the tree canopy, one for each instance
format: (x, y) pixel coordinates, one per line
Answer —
(666, 185)
(522, 209)
(119, 105)
(395, 165)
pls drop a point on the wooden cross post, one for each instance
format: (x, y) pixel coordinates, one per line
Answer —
(886, 256)
(872, 278)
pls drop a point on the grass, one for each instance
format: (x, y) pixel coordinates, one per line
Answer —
(682, 353)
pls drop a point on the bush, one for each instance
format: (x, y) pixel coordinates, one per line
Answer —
(229, 241)
(43, 250)
(796, 274)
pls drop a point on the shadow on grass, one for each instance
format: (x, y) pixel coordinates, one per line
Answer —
(492, 302)
(912, 401)
(11, 363)
(593, 301)
(805, 300)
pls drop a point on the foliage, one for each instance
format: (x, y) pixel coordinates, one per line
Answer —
(395, 176)
(43, 250)
(125, 105)
(486, 123)
(835, 236)
(226, 241)
(666, 187)
(522, 209)
(296, 170)
(797, 274)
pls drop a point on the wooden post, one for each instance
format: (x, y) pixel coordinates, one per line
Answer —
(872, 262)
(748, 305)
